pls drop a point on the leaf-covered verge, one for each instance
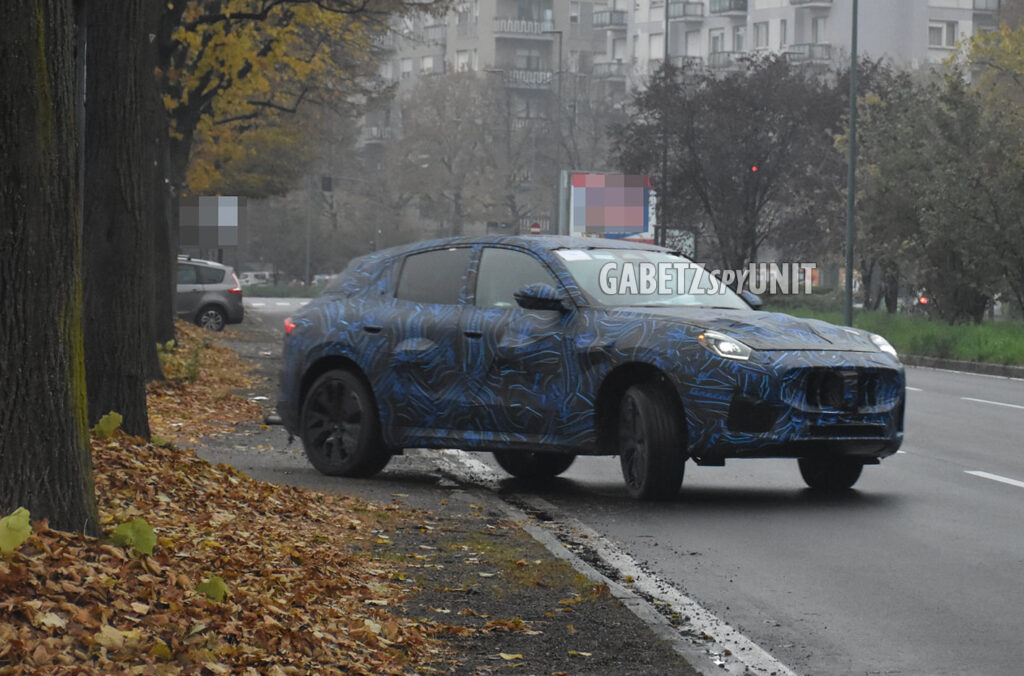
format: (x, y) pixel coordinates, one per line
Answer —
(297, 594)
(244, 577)
(197, 400)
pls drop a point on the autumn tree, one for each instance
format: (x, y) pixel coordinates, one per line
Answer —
(118, 226)
(44, 450)
(740, 147)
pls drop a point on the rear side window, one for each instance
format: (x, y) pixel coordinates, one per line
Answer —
(211, 275)
(434, 276)
(187, 274)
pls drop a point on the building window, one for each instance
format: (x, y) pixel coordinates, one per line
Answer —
(783, 37)
(739, 38)
(942, 34)
(406, 69)
(528, 59)
(656, 45)
(427, 64)
(386, 72)
(717, 39)
(619, 49)
(693, 43)
(818, 29)
(462, 62)
(761, 35)
(574, 12)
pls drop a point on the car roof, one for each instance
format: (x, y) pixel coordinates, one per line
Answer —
(185, 258)
(535, 243)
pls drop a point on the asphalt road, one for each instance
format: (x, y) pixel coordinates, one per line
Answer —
(920, 570)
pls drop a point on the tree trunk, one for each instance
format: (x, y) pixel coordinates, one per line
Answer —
(44, 448)
(117, 231)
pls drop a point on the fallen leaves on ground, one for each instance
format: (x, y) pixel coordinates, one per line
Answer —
(245, 575)
(206, 570)
(197, 398)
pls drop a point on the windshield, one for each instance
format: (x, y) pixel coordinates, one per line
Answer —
(621, 277)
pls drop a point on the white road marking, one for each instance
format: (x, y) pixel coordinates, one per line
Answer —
(994, 403)
(257, 304)
(285, 304)
(914, 389)
(995, 477)
(731, 651)
(904, 452)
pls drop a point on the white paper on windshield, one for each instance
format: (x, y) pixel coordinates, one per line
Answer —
(573, 255)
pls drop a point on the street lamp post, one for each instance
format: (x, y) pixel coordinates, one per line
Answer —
(851, 177)
(555, 215)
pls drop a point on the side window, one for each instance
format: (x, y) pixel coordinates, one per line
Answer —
(434, 276)
(505, 271)
(211, 276)
(187, 274)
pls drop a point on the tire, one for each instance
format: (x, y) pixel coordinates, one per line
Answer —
(212, 318)
(340, 428)
(531, 465)
(830, 474)
(651, 442)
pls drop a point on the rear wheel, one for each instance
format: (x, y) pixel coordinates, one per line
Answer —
(830, 474)
(531, 465)
(211, 317)
(340, 429)
(651, 442)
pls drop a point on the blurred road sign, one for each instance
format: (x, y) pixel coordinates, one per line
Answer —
(535, 228)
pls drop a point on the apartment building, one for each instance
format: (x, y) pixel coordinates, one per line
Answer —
(912, 33)
(534, 46)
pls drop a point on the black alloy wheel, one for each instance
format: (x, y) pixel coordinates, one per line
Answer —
(340, 428)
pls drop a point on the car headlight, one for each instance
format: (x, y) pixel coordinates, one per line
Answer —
(883, 344)
(724, 346)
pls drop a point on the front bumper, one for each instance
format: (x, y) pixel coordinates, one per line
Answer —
(798, 404)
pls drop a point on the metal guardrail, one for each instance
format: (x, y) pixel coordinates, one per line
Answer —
(724, 6)
(610, 18)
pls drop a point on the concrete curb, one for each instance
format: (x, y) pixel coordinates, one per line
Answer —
(983, 368)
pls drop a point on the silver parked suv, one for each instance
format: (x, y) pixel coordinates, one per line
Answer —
(208, 293)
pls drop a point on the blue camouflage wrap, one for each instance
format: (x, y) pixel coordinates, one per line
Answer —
(532, 379)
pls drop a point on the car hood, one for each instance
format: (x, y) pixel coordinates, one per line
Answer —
(767, 330)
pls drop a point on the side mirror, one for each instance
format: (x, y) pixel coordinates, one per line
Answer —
(752, 299)
(540, 297)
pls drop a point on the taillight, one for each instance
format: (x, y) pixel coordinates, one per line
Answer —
(238, 287)
(288, 326)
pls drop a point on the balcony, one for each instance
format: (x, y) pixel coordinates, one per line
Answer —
(685, 10)
(687, 62)
(728, 7)
(376, 134)
(528, 79)
(437, 34)
(612, 19)
(811, 3)
(387, 42)
(609, 71)
(726, 60)
(809, 53)
(986, 5)
(521, 27)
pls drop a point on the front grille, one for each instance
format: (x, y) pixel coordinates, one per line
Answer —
(849, 389)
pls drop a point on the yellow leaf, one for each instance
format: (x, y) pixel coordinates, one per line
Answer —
(579, 653)
(109, 637)
(510, 656)
(52, 621)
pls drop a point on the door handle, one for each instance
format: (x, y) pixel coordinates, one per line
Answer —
(371, 329)
(473, 334)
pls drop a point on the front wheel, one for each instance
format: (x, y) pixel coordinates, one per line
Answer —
(830, 474)
(340, 429)
(652, 439)
(531, 465)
